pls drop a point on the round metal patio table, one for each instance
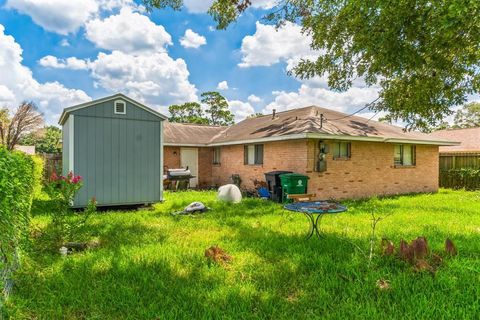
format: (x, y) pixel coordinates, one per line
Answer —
(314, 211)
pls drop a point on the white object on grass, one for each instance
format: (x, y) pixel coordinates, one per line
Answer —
(63, 251)
(229, 193)
(195, 206)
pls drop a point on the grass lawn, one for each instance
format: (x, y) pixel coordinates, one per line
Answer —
(151, 265)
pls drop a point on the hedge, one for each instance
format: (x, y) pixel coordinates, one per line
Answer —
(464, 178)
(20, 178)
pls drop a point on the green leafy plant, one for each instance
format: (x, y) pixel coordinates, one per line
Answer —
(464, 178)
(17, 184)
(66, 222)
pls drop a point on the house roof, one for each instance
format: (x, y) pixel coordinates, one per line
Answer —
(66, 112)
(469, 139)
(306, 123)
(187, 134)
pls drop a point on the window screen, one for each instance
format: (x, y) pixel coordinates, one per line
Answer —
(253, 154)
(404, 155)
(216, 155)
(341, 150)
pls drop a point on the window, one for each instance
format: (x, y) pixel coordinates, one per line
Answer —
(253, 154)
(404, 155)
(216, 155)
(341, 150)
(120, 107)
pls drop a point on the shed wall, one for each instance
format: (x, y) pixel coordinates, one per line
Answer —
(118, 156)
(65, 147)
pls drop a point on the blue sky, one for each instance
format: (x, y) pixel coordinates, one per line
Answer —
(59, 53)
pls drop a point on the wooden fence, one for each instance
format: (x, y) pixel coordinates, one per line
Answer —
(52, 163)
(460, 170)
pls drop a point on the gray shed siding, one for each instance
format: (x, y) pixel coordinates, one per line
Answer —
(118, 156)
(66, 147)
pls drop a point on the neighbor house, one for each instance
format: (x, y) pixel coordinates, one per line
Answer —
(344, 156)
(464, 155)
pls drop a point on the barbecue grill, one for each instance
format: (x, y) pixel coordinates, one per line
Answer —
(179, 179)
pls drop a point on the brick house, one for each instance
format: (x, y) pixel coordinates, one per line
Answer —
(344, 156)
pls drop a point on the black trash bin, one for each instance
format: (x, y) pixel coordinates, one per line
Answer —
(274, 185)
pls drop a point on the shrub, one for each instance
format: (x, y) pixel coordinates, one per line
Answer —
(37, 175)
(63, 190)
(17, 183)
(464, 178)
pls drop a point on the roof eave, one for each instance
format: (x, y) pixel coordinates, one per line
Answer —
(68, 110)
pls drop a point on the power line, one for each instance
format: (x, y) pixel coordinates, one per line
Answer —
(352, 114)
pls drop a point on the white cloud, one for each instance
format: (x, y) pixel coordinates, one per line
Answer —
(59, 16)
(240, 109)
(65, 43)
(156, 79)
(192, 39)
(222, 85)
(254, 99)
(69, 63)
(268, 46)
(66, 16)
(129, 32)
(348, 101)
(17, 83)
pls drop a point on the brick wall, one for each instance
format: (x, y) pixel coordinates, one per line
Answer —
(370, 170)
(205, 160)
(280, 155)
(171, 157)
(171, 160)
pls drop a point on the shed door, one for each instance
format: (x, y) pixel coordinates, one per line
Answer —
(189, 158)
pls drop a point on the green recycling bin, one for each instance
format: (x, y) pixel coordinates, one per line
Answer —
(293, 183)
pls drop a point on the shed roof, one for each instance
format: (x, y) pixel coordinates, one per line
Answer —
(66, 112)
(299, 124)
(469, 139)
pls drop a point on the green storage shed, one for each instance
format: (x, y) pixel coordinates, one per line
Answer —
(116, 145)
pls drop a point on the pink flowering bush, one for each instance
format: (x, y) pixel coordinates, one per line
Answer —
(62, 191)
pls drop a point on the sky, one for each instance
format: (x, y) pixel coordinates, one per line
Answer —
(59, 53)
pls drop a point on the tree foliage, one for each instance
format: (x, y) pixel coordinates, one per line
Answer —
(189, 112)
(423, 55)
(217, 109)
(45, 140)
(26, 119)
(468, 116)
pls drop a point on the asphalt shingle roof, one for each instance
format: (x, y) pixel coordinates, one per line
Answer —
(469, 139)
(292, 122)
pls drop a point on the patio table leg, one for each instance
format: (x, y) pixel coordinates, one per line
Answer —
(317, 223)
(312, 222)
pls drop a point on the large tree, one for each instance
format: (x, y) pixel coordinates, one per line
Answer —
(217, 108)
(45, 140)
(26, 119)
(424, 55)
(468, 116)
(189, 112)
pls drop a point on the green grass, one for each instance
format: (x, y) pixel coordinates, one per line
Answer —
(151, 265)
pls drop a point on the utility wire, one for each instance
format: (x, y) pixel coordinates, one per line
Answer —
(352, 114)
(372, 116)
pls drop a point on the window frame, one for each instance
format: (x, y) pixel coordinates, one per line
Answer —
(401, 162)
(217, 156)
(258, 154)
(115, 107)
(338, 144)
